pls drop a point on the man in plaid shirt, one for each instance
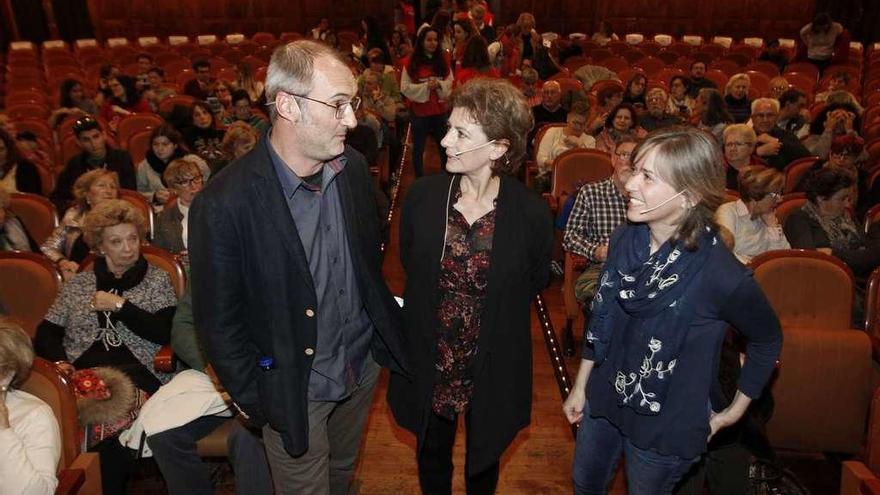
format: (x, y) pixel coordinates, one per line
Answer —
(598, 209)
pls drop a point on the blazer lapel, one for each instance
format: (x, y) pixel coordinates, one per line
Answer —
(269, 196)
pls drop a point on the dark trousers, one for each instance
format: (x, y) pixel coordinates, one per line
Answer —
(422, 127)
(117, 465)
(724, 470)
(183, 469)
(435, 461)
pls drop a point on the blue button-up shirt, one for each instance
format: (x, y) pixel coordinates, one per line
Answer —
(344, 328)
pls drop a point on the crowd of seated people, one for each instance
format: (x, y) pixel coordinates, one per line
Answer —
(404, 78)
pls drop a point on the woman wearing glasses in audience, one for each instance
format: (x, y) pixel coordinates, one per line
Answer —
(475, 245)
(184, 178)
(426, 82)
(66, 246)
(752, 219)
(166, 145)
(667, 294)
(739, 152)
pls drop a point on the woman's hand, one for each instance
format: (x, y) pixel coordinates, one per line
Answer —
(717, 421)
(68, 269)
(105, 301)
(573, 407)
(162, 195)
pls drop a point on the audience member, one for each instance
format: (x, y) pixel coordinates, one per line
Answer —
(530, 87)
(475, 62)
(656, 116)
(185, 179)
(245, 80)
(462, 31)
(65, 246)
(752, 218)
(16, 173)
(739, 152)
(200, 86)
(838, 82)
(680, 102)
(736, 97)
(478, 14)
(73, 103)
(166, 145)
(621, 121)
(203, 137)
(836, 119)
(698, 80)
(550, 110)
(531, 40)
(607, 99)
(773, 52)
(384, 74)
(116, 315)
(96, 154)
(710, 114)
(158, 89)
(30, 439)
(144, 63)
(598, 210)
(238, 141)
(124, 100)
(401, 47)
(242, 111)
(604, 33)
(319, 32)
(820, 38)
(427, 82)
(793, 115)
(778, 85)
(13, 234)
(775, 145)
(634, 92)
(825, 224)
(558, 140)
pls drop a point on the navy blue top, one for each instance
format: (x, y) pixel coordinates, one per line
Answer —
(725, 295)
(344, 327)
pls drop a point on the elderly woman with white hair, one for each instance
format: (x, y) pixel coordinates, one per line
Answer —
(736, 96)
(656, 117)
(30, 440)
(739, 152)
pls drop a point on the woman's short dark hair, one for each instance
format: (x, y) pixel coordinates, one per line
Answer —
(714, 108)
(826, 182)
(168, 131)
(204, 106)
(757, 181)
(503, 113)
(609, 121)
(608, 92)
(66, 87)
(684, 80)
(818, 125)
(476, 53)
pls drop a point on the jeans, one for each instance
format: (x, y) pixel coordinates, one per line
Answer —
(422, 127)
(598, 448)
(435, 461)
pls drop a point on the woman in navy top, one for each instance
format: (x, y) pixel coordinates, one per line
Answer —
(668, 292)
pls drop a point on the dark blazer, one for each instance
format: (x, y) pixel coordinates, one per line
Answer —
(27, 178)
(253, 294)
(118, 161)
(168, 232)
(519, 269)
(803, 232)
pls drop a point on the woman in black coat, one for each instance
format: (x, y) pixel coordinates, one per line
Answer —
(476, 248)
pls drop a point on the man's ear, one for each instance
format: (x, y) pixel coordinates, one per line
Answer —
(287, 107)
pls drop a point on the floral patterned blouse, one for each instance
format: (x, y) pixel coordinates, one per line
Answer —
(464, 272)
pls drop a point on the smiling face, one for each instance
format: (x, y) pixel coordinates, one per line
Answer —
(647, 189)
(102, 189)
(764, 118)
(623, 120)
(121, 246)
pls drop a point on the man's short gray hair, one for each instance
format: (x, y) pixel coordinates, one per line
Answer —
(773, 102)
(291, 69)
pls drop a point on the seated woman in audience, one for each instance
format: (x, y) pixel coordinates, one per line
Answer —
(124, 100)
(203, 137)
(825, 224)
(240, 138)
(116, 315)
(604, 33)
(462, 31)
(752, 218)
(739, 152)
(607, 100)
(778, 85)
(166, 145)
(16, 173)
(558, 140)
(634, 93)
(836, 119)
(710, 113)
(400, 46)
(620, 121)
(185, 178)
(475, 62)
(13, 234)
(222, 90)
(66, 246)
(73, 101)
(246, 81)
(736, 97)
(680, 103)
(30, 439)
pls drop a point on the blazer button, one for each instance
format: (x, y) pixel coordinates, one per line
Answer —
(310, 313)
(309, 351)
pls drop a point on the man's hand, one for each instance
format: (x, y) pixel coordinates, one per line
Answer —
(768, 145)
(601, 252)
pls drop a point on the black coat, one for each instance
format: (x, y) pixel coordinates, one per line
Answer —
(253, 294)
(519, 269)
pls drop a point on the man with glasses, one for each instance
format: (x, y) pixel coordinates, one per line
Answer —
(288, 294)
(95, 154)
(656, 116)
(775, 146)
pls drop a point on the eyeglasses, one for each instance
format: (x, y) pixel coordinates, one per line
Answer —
(189, 181)
(623, 154)
(354, 103)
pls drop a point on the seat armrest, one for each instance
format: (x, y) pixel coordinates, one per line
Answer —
(70, 481)
(164, 359)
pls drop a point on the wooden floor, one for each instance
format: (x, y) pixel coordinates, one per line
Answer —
(539, 460)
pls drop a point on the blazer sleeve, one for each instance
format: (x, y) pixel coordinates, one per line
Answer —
(542, 247)
(218, 292)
